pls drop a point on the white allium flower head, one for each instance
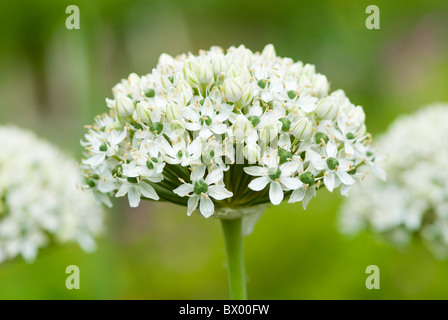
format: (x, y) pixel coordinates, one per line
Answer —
(39, 197)
(414, 200)
(221, 131)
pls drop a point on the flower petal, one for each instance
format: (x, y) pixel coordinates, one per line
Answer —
(95, 160)
(345, 177)
(122, 190)
(309, 193)
(133, 197)
(332, 149)
(206, 207)
(219, 192)
(259, 183)
(291, 183)
(192, 204)
(148, 191)
(214, 176)
(275, 193)
(329, 181)
(198, 172)
(297, 195)
(254, 171)
(183, 189)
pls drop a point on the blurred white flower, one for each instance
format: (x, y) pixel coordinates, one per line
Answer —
(40, 198)
(414, 200)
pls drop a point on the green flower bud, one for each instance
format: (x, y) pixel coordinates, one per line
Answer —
(156, 128)
(284, 155)
(207, 120)
(350, 136)
(319, 136)
(262, 84)
(254, 120)
(103, 147)
(90, 182)
(132, 179)
(274, 174)
(286, 124)
(292, 94)
(307, 178)
(200, 187)
(150, 93)
(332, 163)
(118, 170)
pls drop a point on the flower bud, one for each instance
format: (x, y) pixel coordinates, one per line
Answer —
(268, 52)
(219, 64)
(165, 59)
(358, 115)
(244, 75)
(124, 106)
(252, 152)
(248, 94)
(362, 130)
(232, 90)
(309, 70)
(134, 84)
(205, 73)
(177, 127)
(142, 112)
(303, 129)
(173, 112)
(184, 87)
(233, 71)
(241, 55)
(192, 78)
(269, 132)
(166, 82)
(244, 55)
(327, 109)
(321, 86)
(240, 127)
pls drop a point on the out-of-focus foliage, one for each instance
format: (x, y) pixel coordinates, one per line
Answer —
(54, 80)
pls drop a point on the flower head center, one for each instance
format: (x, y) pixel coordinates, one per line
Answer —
(200, 187)
(274, 174)
(332, 163)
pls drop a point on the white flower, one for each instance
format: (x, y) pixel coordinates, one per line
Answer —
(41, 199)
(334, 167)
(413, 202)
(279, 179)
(135, 188)
(202, 189)
(233, 114)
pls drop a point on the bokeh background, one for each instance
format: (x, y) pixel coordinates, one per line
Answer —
(55, 80)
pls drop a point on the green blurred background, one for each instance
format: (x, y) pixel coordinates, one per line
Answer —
(55, 80)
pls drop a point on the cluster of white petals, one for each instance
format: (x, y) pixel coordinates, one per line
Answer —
(414, 201)
(230, 129)
(39, 197)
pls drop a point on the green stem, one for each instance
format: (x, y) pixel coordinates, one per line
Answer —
(235, 258)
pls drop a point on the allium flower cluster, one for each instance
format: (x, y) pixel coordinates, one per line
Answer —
(228, 130)
(39, 197)
(414, 200)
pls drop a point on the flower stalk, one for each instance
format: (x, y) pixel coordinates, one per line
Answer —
(233, 235)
